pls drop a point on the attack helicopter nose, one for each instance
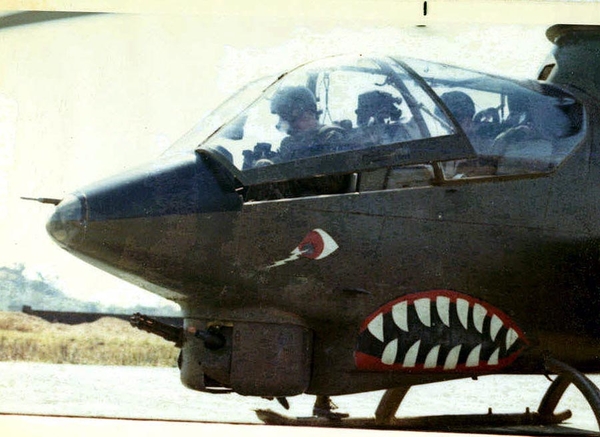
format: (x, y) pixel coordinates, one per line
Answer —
(149, 221)
(67, 223)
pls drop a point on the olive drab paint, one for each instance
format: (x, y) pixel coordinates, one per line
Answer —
(413, 246)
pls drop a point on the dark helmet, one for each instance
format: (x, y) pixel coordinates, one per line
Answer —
(460, 104)
(291, 102)
(377, 106)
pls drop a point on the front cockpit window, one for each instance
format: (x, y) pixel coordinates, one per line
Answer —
(327, 108)
(222, 116)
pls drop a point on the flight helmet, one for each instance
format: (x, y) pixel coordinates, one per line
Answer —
(291, 102)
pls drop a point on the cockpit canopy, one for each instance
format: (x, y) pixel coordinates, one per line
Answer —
(351, 114)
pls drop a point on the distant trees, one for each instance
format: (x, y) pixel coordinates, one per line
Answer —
(18, 289)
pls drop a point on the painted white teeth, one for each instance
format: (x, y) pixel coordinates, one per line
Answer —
(410, 359)
(423, 311)
(376, 327)
(479, 313)
(493, 361)
(462, 309)
(389, 353)
(511, 337)
(452, 358)
(432, 357)
(400, 315)
(495, 326)
(392, 354)
(473, 358)
(442, 303)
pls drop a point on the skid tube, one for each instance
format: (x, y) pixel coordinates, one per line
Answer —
(543, 422)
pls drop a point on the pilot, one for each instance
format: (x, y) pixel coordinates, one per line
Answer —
(462, 107)
(298, 117)
(517, 110)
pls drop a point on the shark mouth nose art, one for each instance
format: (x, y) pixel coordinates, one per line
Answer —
(437, 331)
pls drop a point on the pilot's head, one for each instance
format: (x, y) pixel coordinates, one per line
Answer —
(296, 107)
(461, 106)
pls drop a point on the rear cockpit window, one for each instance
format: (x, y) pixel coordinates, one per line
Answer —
(515, 128)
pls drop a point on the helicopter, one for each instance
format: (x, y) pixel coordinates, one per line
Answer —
(371, 223)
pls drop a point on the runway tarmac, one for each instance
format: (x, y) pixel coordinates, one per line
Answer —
(72, 400)
(53, 426)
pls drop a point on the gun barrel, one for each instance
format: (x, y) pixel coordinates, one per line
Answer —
(153, 326)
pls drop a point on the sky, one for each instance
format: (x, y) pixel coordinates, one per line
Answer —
(88, 97)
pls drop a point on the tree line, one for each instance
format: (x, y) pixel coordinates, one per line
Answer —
(18, 289)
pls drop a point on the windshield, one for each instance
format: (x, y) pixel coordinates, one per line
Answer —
(389, 111)
(224, 113)
(328, 107)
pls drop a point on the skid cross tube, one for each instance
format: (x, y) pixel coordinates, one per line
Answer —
(389, 404)
(568, 375)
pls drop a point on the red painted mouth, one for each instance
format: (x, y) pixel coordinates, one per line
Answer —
(438, 331)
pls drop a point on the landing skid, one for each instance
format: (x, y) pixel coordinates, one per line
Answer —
(478, 423)
(543, 422)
